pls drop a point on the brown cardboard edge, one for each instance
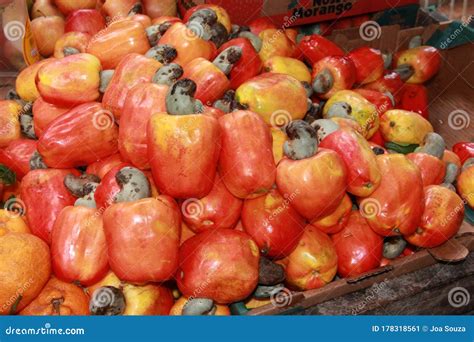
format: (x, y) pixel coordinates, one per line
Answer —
(341, 287)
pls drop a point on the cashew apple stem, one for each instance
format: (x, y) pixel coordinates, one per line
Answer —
(324, 127)
(105, 78)
(227, 102)
(323, 82)
(303, 141)
(168, 74)
(27, 126)
(82, 185)
(163, 53)
(226, 59)
(341, 110)
(199, 307)
(134, 184)
(180, 98)
(393, 246)
(36, 162)
(405, 71)
(433, 144)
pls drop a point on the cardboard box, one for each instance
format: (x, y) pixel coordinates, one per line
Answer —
(296, 12)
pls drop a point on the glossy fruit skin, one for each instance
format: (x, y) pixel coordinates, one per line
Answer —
(368, 62)
(231, 274)
(381, 101)
(425, 61)
(315, 47)
(150, 299)
(218, 209)
(117, 40)
(116, 9)
(288, 66)
(246, 161)
(45, 195)
(88, 21)
(17, 155)
(25, 84)
(77, 40)
(363, 174)
(187, 44)
(465, 185)
(67, 6)
(158, 9)
(133, 231)
(390, 82)
(277, 98)
(404, 127)
(44, 113)
(442, 217)
(183, 151)
(108, 187)
(72, 300)
(259, 24)
(279, 137)
(70, 81)
(363, 111)
(298, 179)
(211, 82)
(415, 99)
(313, 263)
(177, 309)
(359, 248)
(396, 206)
(432, 169)
(464, 150)
(45, 31)
(25, 267)
(273, 224)
(141, 102)
(83, 135)
(342, 70)
(337, 220)
(78, 247)
(451, 157)
(102, 166)
(248, 66)
(9, 122)
(132, 70)
(275, 43)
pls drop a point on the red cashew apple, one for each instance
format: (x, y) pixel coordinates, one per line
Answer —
(157, 9)
(116, 9)
(218, 209)
(315, 47)
(423, 63)
(363, 174)
(88, 21)
(17, 156)
(368, 62)
(396, 206)
(381, 101)
(141, 102)
(44, 196)
(464, 150)
(104, 165)
(388, 83)
(246, 161)
(432, 169)
(358, 247)
(306, 169)
(441, 219)
(78, 247)
(415, 99)
(331, 74)
(188, 45)
(134, 230)
(46, 31)
(248, 66)
(83, 135)
(229, 276)
(70, 81)
(117, 40)
(44, 113)
(273, 224)
(313, 263)
(133, 69)
(337, 220)
(68, 6)
(71, 42)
